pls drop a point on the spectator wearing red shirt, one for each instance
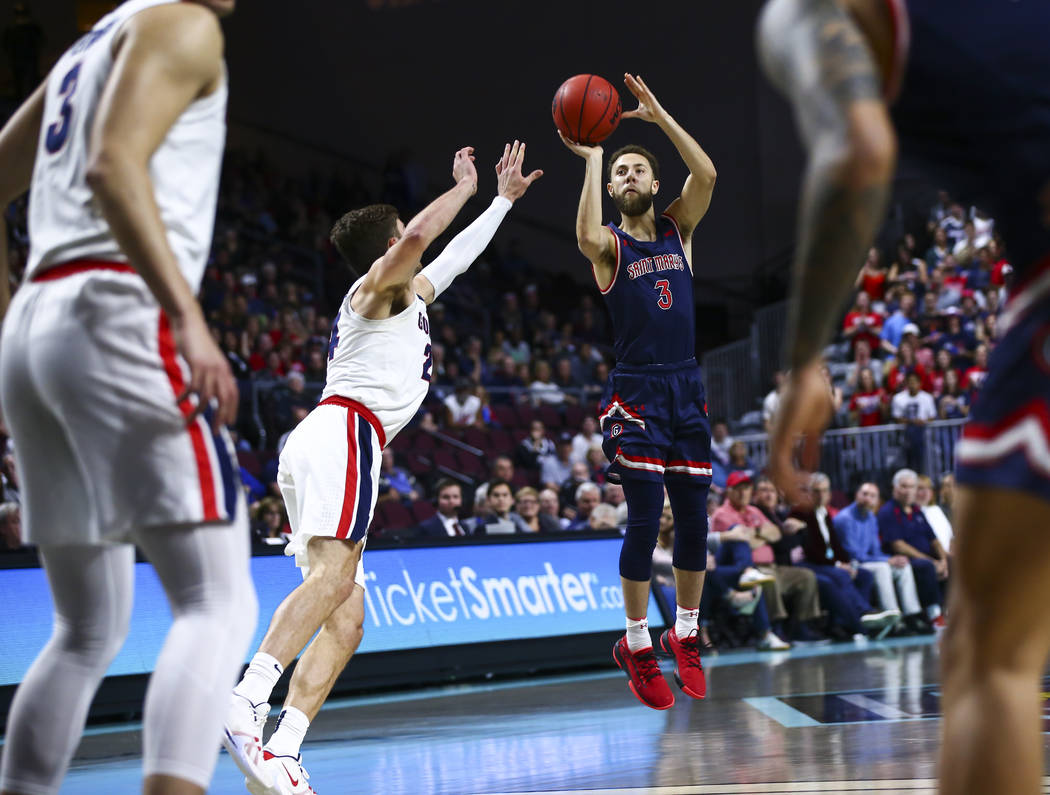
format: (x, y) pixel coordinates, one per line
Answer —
(905, 363)
(867, 407)
(942, 364)
(974, 376)
(862, 323)
(872, 276)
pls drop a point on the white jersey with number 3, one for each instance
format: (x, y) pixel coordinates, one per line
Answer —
(65, 222)
(385, 365)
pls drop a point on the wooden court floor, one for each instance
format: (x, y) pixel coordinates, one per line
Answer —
(843, 718)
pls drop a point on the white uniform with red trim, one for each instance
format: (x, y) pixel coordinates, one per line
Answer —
(88, 368)
(378, 375)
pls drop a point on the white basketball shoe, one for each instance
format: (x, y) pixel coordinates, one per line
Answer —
(287, 773)
(242, 738)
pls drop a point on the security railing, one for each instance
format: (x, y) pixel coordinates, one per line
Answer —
(851, 455)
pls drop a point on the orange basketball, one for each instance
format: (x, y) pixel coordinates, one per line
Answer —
(586, 109)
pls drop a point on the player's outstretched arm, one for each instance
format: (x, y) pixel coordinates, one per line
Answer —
(815, 53)
(597, 242)
(465, 247)
(166, 57)
(394, 271)
(691, 206)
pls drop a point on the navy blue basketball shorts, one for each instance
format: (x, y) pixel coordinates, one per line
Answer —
(1006, 444)
(655, 424)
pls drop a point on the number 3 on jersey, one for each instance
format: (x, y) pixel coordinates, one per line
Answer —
(58, 131)
(666, 299)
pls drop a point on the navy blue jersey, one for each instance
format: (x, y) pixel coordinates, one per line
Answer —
(974, 109)
(651, 298)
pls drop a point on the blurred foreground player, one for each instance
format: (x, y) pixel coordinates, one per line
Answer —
(843, 65)
(378, 374)
(654, 414)
(121, 148)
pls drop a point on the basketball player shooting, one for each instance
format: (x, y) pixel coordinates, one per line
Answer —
(378, 374)
(654, 413)
(860, 91)
(107, 377)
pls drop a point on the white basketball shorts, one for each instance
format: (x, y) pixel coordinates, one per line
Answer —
(89, 376)
(329, 476)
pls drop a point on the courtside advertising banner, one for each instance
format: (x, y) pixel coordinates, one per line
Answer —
(415, 598)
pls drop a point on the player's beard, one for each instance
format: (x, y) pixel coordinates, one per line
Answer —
(633, 205)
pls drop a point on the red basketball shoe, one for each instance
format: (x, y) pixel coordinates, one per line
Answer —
(688, 671)
(647, 682)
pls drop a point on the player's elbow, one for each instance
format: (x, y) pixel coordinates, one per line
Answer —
(103, 172)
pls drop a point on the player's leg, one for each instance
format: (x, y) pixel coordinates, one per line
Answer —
(315, 673)
(636, 447)
(91, 587)
(206, 576)
(634, 652)
(996, 643)
(689, 506)
(333, 563)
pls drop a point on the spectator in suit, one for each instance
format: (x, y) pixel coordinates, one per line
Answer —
(445, 523)
(905, 531)
(845, 588)
(926, 497)
(578, 474)
(527, 504)
(501, 512)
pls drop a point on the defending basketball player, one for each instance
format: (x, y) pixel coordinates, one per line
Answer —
(654, 413)
(845, 66)
(378, 374)
(115, 445)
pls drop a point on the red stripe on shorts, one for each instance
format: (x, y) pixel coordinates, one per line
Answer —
(80, 266)
(364, 411)
(346, 518)
(166, 346)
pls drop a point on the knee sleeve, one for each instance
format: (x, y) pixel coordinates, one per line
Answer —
(689, 505)
(645, 503)
(207, 579)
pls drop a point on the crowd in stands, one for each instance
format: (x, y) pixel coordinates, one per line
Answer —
(927, 309)
(507, 441)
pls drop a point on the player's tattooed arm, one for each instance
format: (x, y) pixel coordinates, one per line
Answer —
(814, 52)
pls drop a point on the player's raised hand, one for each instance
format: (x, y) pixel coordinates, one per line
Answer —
(648, 108)
(802, 414)
(582, 150)
(463, 166)
(210, 375)
(511, 184)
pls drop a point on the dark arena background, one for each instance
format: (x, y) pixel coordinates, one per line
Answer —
(486, 663)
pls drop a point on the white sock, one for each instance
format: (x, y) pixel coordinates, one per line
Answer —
(638, 634)
(933, 612)
(288, 736)
(686, 621)
(259, 679)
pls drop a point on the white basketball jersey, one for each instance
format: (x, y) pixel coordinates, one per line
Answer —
(65, 222)
(385, 365)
